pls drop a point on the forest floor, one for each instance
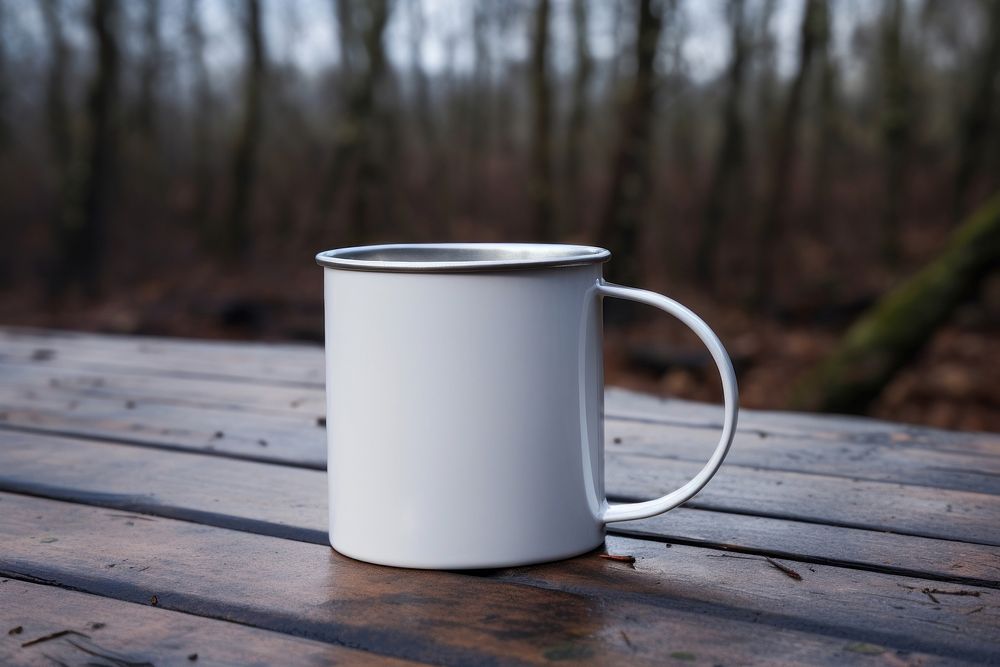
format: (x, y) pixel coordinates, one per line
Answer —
(951, 384)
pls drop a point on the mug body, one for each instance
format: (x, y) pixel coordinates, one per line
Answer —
(464, 415)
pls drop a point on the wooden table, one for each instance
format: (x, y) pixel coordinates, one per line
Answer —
(163, 502)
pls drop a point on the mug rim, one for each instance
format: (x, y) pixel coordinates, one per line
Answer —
(460, 257)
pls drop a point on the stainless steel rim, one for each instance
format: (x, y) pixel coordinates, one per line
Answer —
(460, 257)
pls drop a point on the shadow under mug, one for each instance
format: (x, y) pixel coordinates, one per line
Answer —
(465, 394)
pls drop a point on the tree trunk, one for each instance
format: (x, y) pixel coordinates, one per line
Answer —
(828, 135)
(894, 331)
(477, 102)
(83, 229)
(577, 122)
(540, 183)
(60, 139)
(346, 128)
(355, 142)
(507, 21)
(729, 159)
(436, 173)
(421, 95)
(56, 114)
(149, 71)
(765, 61)
(630, 175)
(978, 113)
(482, 85)
(770, 228)
(347, 36)
(236, 235)
(371, 176)
(5, 85)
(896, 125)
(204, 180)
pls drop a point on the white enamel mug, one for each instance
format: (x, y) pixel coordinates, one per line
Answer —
(464, 395)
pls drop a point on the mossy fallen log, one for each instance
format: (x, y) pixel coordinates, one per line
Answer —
(895, 329)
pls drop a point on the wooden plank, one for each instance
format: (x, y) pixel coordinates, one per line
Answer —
(625, 404)
(82, 394)
(155, 346)
(915, 510)
(275, 438)
(227, 493)
(674, 601)
(46, 625)
(70, 383)
(922, 465)
(258, 362)
(301, 367)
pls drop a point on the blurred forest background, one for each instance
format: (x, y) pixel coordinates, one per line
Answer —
(805, 174)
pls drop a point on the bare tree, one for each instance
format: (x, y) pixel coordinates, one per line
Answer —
(421, 94)
(482, 88)
(729, 158)
(770, 228)
(577, 122)
(346, 130)
(235, 232)
(60, 138)
(355, 144)
(5, 83)
(540, 180)
(347, 36)
(896, 126)
(82, 232)
(475, 119)
(56, 113)
(765, 77)
(828, 130)
(506, 19)
(978, 112)
(630, 176)
(150, 68)
(203, 110)
(374, 157)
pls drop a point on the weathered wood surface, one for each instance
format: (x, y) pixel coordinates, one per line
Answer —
(46, 625)
(192, 471)
(278, 365)
(749, 487)
(581, 606)
(225, 492)
(63, 400)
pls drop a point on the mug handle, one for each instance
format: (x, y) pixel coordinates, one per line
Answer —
(627, 511)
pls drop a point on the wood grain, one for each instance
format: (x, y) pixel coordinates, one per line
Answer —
(98, 630)
(912, 510)
(677, 600)
(227, 493)
(277, 364)
(644, 408)
(823, 541)
(915, 510)
(302, 367)
(286, 411)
